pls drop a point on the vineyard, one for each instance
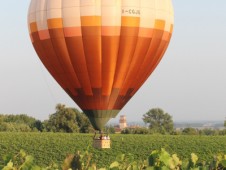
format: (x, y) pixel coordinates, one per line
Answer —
(53, 147)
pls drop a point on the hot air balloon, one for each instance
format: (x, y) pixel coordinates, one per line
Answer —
(100, 51)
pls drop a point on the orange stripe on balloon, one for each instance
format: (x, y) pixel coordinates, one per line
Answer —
(160, 24)
(145, 32)
(105, 31)
(44, 34)
(33, 27)
(166, 36)
(130, 21)
(72, 31)
(55, 23)
(110, 30)
(91, 21)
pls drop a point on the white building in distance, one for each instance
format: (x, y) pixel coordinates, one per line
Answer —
(122, 122)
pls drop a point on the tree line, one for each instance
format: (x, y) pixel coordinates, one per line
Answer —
(71, 120)
(160, 122)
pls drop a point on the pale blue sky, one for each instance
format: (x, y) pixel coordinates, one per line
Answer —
(189, 83)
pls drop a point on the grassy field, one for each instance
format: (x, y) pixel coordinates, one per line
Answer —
(48, 147)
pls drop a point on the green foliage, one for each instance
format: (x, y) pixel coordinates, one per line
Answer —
(190, 131)
(14, 127)
(52, 147)
(68, 120)
(160, 159)
(78, 161)
(157, 160)
(203, 132)
(159, 121)
(222, 132)
(20, 161)
(109, 129)
(209, 132)
(63, 120)
(127, 161)
(138, 130)
(19, 123)
(126, 131)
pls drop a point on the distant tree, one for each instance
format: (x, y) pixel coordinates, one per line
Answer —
(38, 125)
(67, 120)
(222, 132)
(126, 131)
(159, 121)
(62, 121)
(14, 127)
(141, 130)
(18, 123)
(136, 130)
(1, 119)
(176, 132)
(190, 131)
(209, 132)
(225, 123)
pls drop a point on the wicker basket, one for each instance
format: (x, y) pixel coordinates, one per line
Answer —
(102, 143)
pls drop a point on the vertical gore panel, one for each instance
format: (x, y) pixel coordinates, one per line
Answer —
(149, 58)
(138, 58)
(110, 31)
(41, 15)
(91, 36)
(128, 41)
(90, 12)
(55, 26)
(110, 45)
(31, 18)
(60, 48)
(92, 48)
(76, 53)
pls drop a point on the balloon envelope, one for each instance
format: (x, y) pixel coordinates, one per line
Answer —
(100, 51)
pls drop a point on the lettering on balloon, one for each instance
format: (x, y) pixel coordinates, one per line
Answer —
(131, 11)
